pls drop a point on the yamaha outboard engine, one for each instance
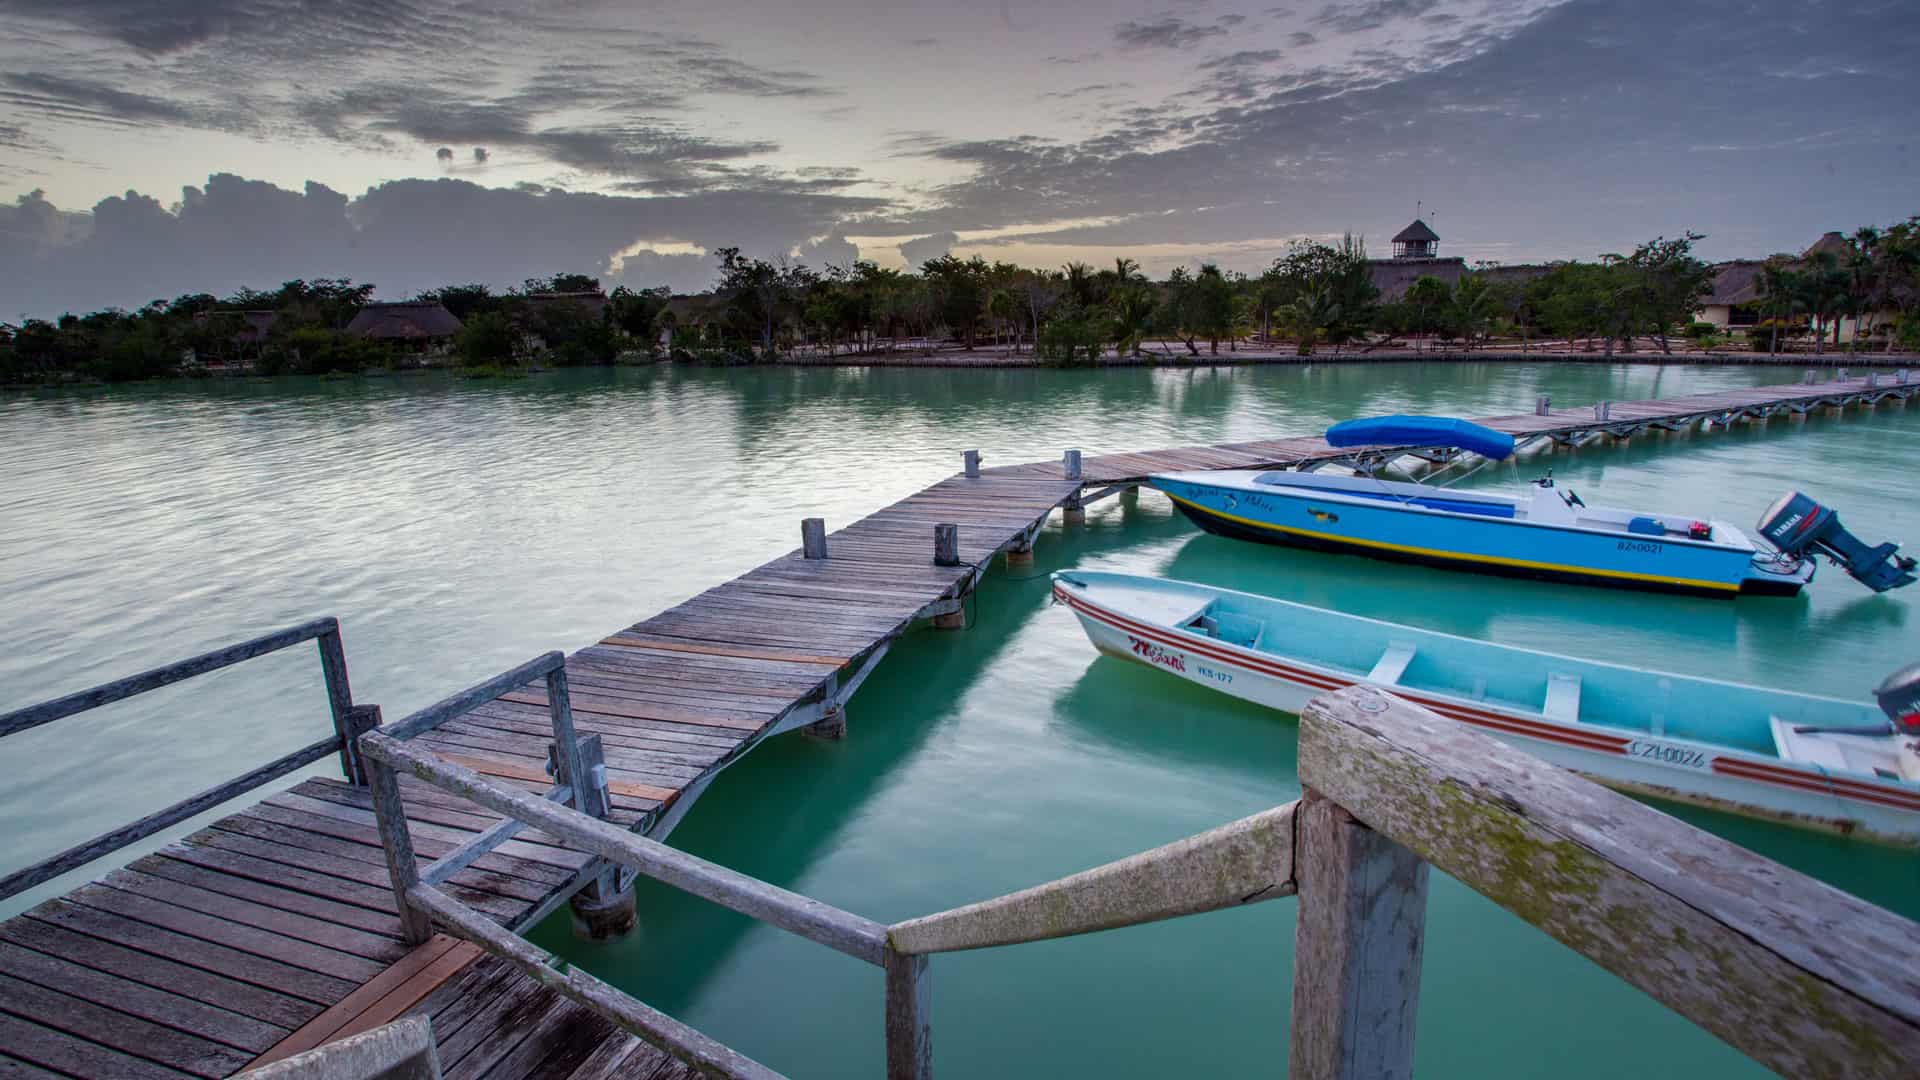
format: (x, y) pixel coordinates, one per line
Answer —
(1798, 526)
(1899, 698)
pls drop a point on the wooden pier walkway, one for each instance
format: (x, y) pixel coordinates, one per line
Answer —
(275, 929)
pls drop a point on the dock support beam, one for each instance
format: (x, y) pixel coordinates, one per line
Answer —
(1357, 944)
(832, 724)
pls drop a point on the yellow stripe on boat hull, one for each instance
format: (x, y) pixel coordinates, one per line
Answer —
(1453, 556)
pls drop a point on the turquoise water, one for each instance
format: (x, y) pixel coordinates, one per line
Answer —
(457, 528)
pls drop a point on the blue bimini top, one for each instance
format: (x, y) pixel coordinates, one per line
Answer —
(1421, 431)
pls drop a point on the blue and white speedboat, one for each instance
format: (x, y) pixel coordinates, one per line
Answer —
(1813, 761)
(1549, 533)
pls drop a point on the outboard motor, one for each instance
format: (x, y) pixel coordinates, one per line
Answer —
(1798, 526)
(1899, 698)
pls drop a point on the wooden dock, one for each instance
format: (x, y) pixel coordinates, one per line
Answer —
(275, 929)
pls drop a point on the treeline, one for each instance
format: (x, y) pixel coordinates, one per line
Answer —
(302, 328)
(1315, 295)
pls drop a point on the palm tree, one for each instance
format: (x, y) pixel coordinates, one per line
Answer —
(1780, 291)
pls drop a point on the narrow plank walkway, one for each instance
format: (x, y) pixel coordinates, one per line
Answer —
(274, 929)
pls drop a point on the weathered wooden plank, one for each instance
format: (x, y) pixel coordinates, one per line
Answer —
(209, 955)
(382, 948)
(160, 1006)
(1357, 942)
(118, 1030)
(44, 1046)
(1242, 862)
(654, 644)
(1802, 977)
(214, 929)
(488, 767)
(170, 866)
(381, 999)
(280, 1011)
(240, 834)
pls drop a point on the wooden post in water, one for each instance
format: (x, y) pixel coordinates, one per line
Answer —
(1356, 952)
(832, 724)
(971, 459)
(600, 910)
(1543, 405)
(813, 538)
(1072, 512)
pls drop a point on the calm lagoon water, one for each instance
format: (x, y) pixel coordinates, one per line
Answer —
(457, 528)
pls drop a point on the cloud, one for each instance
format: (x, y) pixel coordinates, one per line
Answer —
(834, 250)
(1349, 18)
(928, 247)
(1167, 33)
(404, 235)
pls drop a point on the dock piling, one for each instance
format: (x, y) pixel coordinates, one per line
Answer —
(813, 538)
(1543, 405)
(946, 545)
(971, 459)
(1070, 461)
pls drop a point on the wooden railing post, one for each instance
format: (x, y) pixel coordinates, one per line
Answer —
(909, 1017)
(396, 842)
(333, 669)
(360, 720)
(1356, 952)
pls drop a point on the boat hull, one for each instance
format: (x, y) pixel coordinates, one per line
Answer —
(1488, 546)
(1677, 769)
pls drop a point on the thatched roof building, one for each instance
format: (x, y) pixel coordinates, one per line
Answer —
(411, 320)
(592, 302)
(1416, 241)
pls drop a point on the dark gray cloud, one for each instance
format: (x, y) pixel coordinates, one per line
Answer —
(1166, 33)
(404, 235)
(1531, 135)
(1348, 18)
(925, 248)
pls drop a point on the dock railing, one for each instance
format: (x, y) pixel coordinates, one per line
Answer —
(1803, 978)
(349, 721)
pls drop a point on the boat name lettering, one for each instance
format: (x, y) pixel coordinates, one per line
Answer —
(1645, 547)
(1154, 654)
(1258, 502)
(1206, 672)
(1668, 755)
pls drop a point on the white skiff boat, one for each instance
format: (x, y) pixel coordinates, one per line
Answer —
(1815, 761)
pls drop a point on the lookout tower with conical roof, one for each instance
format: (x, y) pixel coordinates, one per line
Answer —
(1416, 241)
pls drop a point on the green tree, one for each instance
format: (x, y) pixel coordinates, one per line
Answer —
(488, 339)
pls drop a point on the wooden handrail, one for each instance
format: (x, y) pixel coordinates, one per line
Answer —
(1802, 977)
(349, 721)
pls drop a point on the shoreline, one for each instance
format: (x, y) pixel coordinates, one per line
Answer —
(994, 359)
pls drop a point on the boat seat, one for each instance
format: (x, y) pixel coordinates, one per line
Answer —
(1391, 665)
(1563, 699)
(1806, 749)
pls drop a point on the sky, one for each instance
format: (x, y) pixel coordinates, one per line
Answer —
(155, 147)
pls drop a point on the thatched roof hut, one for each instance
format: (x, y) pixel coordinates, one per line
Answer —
(1416, 241)
(592, 302)
(411, 320)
